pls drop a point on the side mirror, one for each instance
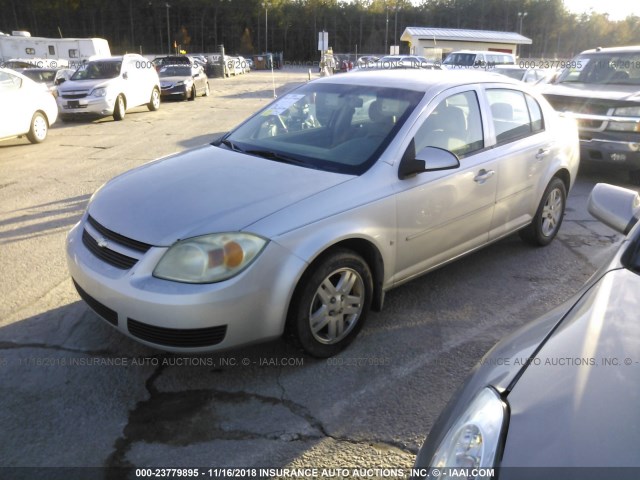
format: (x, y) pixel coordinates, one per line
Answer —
(616, 207)
(59, 81)
(125, 75)
(429, 159)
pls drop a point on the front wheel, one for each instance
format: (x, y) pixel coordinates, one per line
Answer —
(120, 110)
(154, 103)
(192, 96)
(39, 128)
(548, 218)
(331, 304)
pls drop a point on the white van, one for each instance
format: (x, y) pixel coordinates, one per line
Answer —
(477, 59)
(110, 86)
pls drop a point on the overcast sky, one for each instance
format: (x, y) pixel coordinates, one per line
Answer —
(617, 9)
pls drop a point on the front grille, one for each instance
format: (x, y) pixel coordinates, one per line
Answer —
(116, 237)
(105, 312)
(109, 256)
(74, 96)
(177, 337)
(67, 107)
(580, 105)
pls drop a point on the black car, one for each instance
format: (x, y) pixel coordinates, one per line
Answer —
(183, 82)
(600, 89)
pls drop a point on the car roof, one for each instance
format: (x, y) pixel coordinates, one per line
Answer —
(633, 48)
(419, 80)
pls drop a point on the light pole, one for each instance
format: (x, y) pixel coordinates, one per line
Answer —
(395, 30)
(386, 33)
(266, 26)
(168, 30)
(521, 16)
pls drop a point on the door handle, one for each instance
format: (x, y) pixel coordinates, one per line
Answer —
(543, 152)
(483, 176)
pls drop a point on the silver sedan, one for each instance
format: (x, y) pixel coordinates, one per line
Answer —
(301, 218)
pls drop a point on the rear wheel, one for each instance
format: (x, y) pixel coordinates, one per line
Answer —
(548, 218)
(39, 128)
(120, 110)
(331, 303)
(206, 89)
(193, 93)
(154, 103)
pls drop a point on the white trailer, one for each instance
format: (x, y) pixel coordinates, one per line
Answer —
(75, 50)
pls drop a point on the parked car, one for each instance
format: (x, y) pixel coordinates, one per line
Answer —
(600, 88)
(160, 62)
(51, 77)
(27, 107)
(302, 217)
(110, 86)
(183, 81)
(244, 64)
(526, 75)
(392, 62)
(477, 59)
(562, 392)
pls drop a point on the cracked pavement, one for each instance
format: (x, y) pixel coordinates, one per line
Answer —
(75, 393)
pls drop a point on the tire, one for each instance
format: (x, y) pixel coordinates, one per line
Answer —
(548, 217)
(207, 91)
(634, 177)
(120, 110)
(154, 102)
(39, 128)
(192, 97)
(331, 303)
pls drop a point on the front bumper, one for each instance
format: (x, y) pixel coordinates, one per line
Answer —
(174, 91)
(86, 106)
(610, 151)
(178, 317)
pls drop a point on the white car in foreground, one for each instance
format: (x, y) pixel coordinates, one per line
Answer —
(28, 108)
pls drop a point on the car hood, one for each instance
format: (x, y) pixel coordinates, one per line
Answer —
(624, 93)
(202, 191)
(577, 404)
(174, 79)
(83, 85)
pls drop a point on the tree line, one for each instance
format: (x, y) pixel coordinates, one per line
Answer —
(249, 27)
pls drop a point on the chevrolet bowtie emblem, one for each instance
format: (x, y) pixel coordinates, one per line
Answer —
(102, 243)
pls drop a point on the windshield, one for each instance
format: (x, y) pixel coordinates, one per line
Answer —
(41, 76)
(332, 127)
(604, 68)
(175, 72)
(515, 73)
(463, 59)
(98, 70)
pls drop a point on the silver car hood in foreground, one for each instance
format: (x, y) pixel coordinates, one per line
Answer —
(202, 191)
(578, 406)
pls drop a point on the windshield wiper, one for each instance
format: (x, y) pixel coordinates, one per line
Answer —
(231, 145)
(278, 157)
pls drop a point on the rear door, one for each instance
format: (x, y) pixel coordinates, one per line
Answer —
(17, 105)
(524, 149)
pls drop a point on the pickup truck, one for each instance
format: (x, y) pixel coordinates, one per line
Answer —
(601, 89)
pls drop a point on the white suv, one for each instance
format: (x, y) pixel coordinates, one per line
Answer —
(477, 59)
(110, 86)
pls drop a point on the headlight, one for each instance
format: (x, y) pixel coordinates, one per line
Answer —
(99, 92)
(472, 441)
(625, 126)
(210, 258)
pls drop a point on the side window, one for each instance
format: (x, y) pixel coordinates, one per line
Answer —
(9, 82)
(73, 53)
(454, 125)
(52, 50)
(537, 122)
(510, 114)
(30, 51)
